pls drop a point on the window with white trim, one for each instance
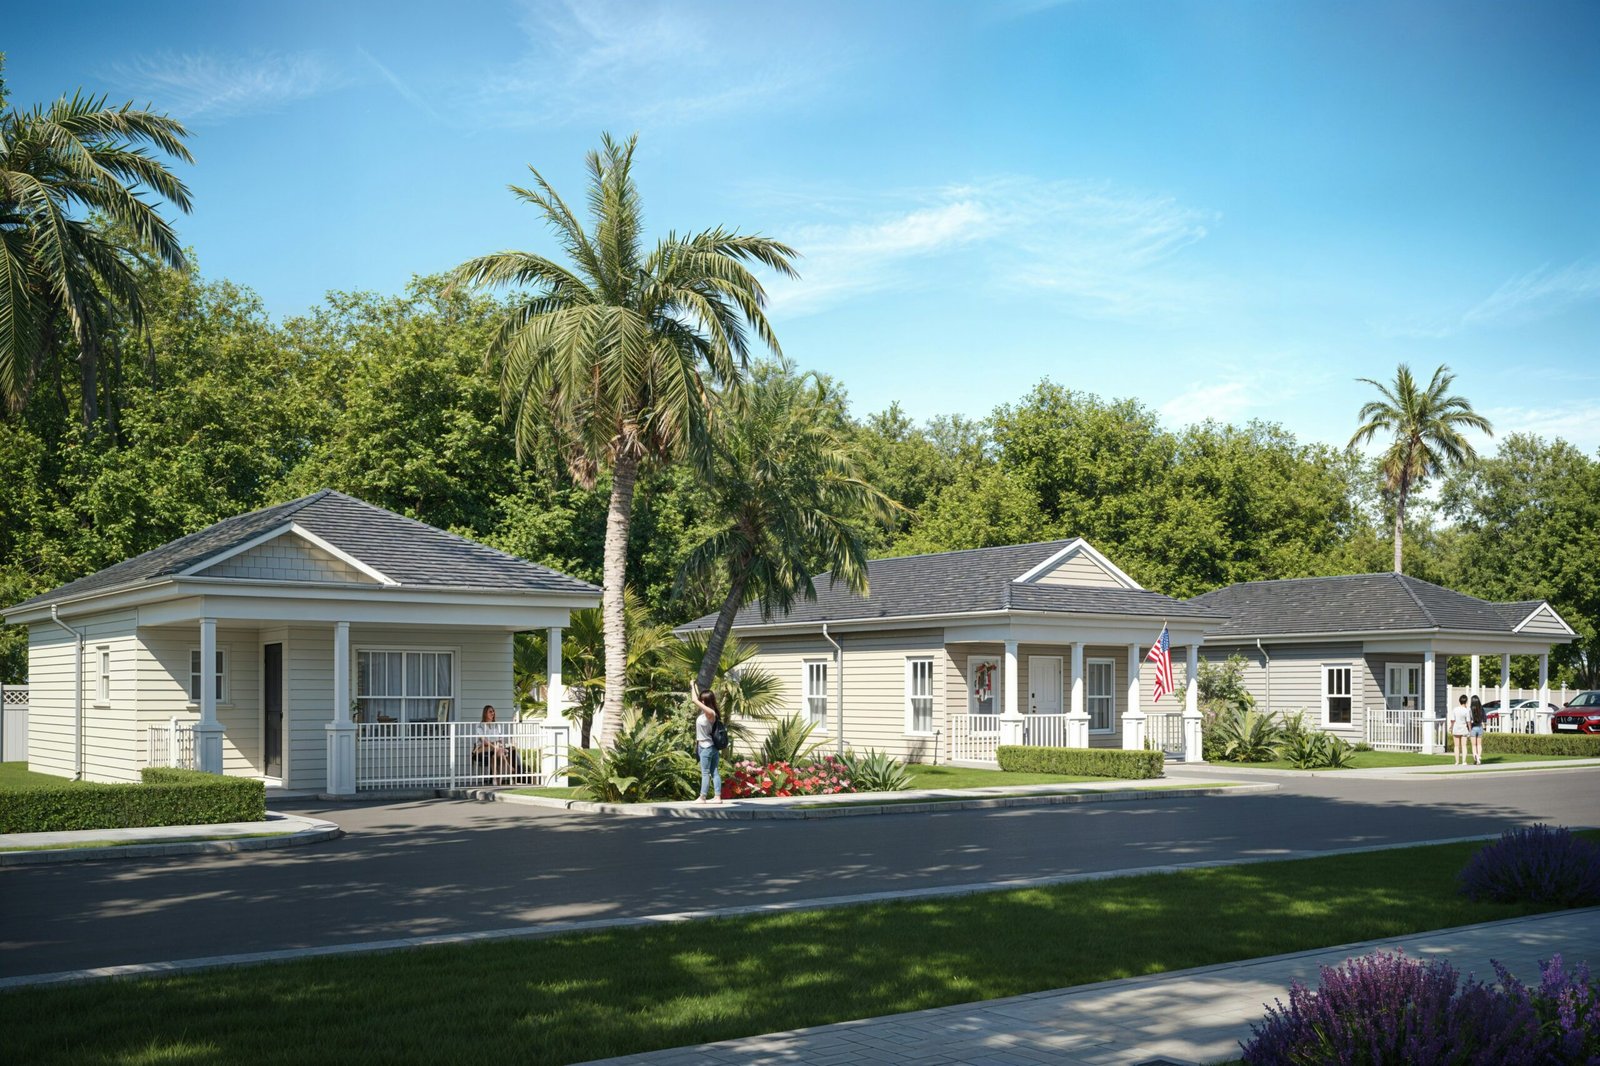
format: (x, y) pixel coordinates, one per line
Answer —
(1402, 687)
(1100, 694)
(1336, 695)
(194, 675)
(405, 686)
(919, 695)
(102, 681)
(814, 692)
(983, 684)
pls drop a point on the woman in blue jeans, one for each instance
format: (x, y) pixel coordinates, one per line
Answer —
(710, 757)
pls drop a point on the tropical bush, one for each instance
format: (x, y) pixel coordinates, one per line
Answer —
(1080, 762)
(876, 771)
(788, 740)
(650, 760)
(1244, 734)
(1537, 863)
(825, 777)
(1384, 1008)
(1309, 749)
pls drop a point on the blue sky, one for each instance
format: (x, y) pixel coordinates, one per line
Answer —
(1223, 208)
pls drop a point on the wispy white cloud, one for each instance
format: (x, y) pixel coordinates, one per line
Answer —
(1097, 250)
(1525, 298)
(1575, 421)
(203, 88)
(644, 62)
(407, 93)
(1224, 401)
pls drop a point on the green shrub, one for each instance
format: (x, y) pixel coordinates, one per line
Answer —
(875, 771)
(166, 797)
(1316, 750)
(788, 740)
(1540, 744)
(1080, 762)
(649, 761)
(1246, 735)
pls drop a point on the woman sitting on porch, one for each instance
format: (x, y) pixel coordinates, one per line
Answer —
(495, 757)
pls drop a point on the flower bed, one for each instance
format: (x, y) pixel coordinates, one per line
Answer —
(825, 777)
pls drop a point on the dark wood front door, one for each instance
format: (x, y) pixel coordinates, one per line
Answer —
(272, 705)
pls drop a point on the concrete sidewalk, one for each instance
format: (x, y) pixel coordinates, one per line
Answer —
(1189, 1016)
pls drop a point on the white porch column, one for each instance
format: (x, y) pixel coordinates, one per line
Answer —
(1542, 715)
(1505, 686)
(1191, 709)
(208, 733)
(555, 733)
(1475, 687)
(1429, 731)
(1077, 716)
(1011, 720)
(341, 731)
(1133, 719)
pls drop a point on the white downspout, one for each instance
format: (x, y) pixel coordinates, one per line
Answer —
(838, 689)
(1266, 669)
(77, 691)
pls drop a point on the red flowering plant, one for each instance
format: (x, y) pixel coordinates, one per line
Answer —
(825, 777)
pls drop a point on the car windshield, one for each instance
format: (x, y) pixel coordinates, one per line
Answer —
(1586, 699)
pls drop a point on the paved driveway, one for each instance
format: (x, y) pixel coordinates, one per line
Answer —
(412, 869)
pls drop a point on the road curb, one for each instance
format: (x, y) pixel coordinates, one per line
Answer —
(789, 813)
(313, 831)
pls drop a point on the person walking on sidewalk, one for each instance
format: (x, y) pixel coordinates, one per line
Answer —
(705, 742)
(1479, 721)
(1460, 727)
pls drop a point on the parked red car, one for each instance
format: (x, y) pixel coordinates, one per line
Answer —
(1580, 715)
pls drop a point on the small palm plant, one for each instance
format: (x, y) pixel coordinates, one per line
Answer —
(649, 761)
(1247, 735)
(789, 740)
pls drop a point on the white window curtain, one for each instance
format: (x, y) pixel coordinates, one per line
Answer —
(405, 686)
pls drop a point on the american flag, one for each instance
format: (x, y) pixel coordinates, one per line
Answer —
(1161, 655)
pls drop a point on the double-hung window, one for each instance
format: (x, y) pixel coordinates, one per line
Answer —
(1100, 694)
(919, 695)
(194, 675)
(102, 684)
(405, 686)
(1336, 698)
(814, 692)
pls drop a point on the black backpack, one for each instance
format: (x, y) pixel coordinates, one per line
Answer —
(719, 736)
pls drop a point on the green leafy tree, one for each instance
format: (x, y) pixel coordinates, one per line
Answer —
(786, 494)
(1427, 426)
(74, 181)
(619, 348)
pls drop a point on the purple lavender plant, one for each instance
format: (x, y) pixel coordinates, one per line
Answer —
(1537, 864)
(1567, 1004)
(1386, 1008)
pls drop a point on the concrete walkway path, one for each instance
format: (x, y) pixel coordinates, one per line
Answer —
(1189, 1016)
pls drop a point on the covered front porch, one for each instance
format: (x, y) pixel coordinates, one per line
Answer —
(1070, 682)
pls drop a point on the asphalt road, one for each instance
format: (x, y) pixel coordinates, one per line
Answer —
(412, 869)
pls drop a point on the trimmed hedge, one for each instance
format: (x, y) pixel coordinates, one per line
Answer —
(1541, 744)
(1080, 762)
(166, 797)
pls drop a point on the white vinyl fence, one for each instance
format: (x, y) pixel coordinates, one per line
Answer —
(1390, 729)
(1044, 730)
(973, 737)
(172, 745)
(1164, 731)
(393, 755)
(13, 723)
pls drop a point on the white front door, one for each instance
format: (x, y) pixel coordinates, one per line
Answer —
(1402, 686)
(1044, 684)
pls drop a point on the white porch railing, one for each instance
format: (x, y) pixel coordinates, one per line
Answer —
(172, 745)
(457, 754)
(1390, 729)
(973, 737)
(1044, 730)
(1163, 731)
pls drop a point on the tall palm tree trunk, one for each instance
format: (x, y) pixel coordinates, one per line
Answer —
(618, 516)
(1400, 525)
(719, 632)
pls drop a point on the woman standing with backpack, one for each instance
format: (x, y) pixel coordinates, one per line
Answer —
(710, 737)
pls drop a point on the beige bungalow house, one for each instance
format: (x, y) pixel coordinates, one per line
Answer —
(950, 654)
(1364, 654)
(322, 644)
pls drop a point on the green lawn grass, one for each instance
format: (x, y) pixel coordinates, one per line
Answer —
(925, 776)
(16, 777)
(551, 792)
(1378, 760)
(619, 991)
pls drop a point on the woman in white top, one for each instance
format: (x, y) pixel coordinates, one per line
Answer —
(1461, 729)
(705, 725)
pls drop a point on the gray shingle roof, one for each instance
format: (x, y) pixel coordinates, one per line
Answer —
(1354, 603)
(409, 552)
(979, 579)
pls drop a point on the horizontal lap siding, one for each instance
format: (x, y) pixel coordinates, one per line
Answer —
(1296, 680)
(1079, 569)
(164, 655)
(1377, 669)
(109, 753)
(308, 704)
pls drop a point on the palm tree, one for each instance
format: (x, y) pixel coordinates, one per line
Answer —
(786, 493)
(73, 179)
(616, 349)
(1427, 427)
